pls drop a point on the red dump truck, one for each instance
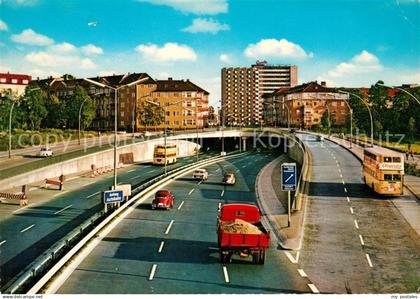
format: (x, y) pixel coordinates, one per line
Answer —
(240, 232)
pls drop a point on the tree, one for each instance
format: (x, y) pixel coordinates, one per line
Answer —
(150, 115)
(32, 110)
(73, 104)
(325, 120)
(57, 116)
(412, 128)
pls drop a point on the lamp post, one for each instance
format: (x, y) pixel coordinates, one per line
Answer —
(14, 101)
(115, 89)
(368, 108)
(403, 90)
(240, 132)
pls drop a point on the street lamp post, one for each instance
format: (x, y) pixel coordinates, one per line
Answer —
(80, 117)
(115, 89)
(240, 131)
(403, 90)
(368, 108)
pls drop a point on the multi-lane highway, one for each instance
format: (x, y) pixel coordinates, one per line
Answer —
(28, 232)
(355, 241)
(152, 251)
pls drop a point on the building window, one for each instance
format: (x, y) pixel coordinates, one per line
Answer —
(122, 104)
(122, 113)
(168, 113)
(3, 80)
(167, 122)
(25, 81)
(14, 81)
(176, 123)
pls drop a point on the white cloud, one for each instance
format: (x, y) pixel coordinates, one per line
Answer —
(272, 48)
(3, 26)
(209, 25)
(168, 52)
(199, 7)
(47, 59)
(5, 69)
(364, 62)
(30, 37)
(225, 58)
(63, 48)
(43, 73)
(92, 49)
(407, 78)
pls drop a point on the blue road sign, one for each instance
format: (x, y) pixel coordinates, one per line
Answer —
(288, 177)
(113, 196)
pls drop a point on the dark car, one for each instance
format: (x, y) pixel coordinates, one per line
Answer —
(163, 200)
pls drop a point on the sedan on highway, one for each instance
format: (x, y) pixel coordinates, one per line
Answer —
(45, 152)
(163, 200)
(200, 174)
(229, 178)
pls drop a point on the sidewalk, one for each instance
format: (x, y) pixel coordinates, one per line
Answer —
(271, 202)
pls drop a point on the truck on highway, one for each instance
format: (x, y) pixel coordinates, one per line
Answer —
(240, 232)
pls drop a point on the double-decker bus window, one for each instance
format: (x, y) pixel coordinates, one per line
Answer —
(397, 177)
(396, 159)
(387, 177)
(387, 159)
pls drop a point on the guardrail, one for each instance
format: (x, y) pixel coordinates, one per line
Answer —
(88, 229)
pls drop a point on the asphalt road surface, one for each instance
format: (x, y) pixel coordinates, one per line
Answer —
(355, 240)
(161, 252)
(27, 233)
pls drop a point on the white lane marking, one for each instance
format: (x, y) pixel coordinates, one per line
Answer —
(61, 193)
(150, 171)
(341, 176)
(217, 170)
(89, 183)
(223, 193)
(161, 246)
(169, 227)
(237, 171)
(92, 195)
(244, 166)
(63, 209)
(180, 206)
(302, 273)
(313, 288)
(344, 183)
(199, 182)
(361, 240)
(135, 177)
(351, 210)
(20, 209)
(2, 242)
(191, 191)
(28, 228)
(152, 272)
(369, 261)
(225, 272)
(220, 206)
(71, 179)
(290, 257)
(345, 189)
(339, 169)
(356, 224)
(348, 199)
(131, 170)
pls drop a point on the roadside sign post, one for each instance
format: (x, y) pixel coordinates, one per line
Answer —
(288, 183)
(112, 197)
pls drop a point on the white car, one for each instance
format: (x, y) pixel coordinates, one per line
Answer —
(229, 178)
(46, 152)
(147, 134)
(200, 174)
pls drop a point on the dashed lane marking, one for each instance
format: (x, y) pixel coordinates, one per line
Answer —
(313, 288)
(291, 258)
(180, 206)
(344, 184)
(223, 193)
(348, 199)
(63, 209)
(220, 206)
(2, 242)
(361, 240)
(152, 272)
(226, 274)
(89, 183)
(169, 227)
(92, 195)
(369, 261)
(135, 177)
(199, 183)
(28, 228)
(302, 273)
(132, 170)
(351, 210)
(191, 191)
(61, 193)
(341, 176)
(161, 246)
(356, 224)
(237, 171)
(150, 171)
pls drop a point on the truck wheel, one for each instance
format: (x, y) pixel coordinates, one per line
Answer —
(262, 257)
(256, 258)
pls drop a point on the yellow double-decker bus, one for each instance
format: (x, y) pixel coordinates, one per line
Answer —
(383, 170)
(162, 155)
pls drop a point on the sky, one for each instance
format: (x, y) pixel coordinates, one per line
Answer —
(351, 43)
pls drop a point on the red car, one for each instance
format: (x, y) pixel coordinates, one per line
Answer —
(163, 200)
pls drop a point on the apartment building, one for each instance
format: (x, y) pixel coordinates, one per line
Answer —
(243, 89)
(13, 83)
(132, 97)
(185, 104)
(305, 105)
